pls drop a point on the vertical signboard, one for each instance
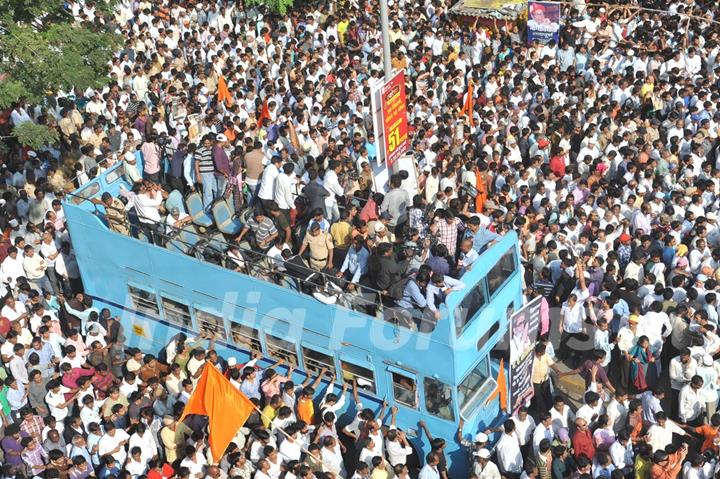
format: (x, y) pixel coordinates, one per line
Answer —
(394, 118)
(543, 22)
(524, 329)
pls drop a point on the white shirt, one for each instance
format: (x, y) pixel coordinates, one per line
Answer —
(146, 207)
(490, 471)
(267, 184)
(691, 403)
(573, 317)
(659, 437)
(196, 466)
(290, 450)
(541, 432)
(562, 419)
(621, 455)
(54, 400)
(332, 185)
(509, 455)
(283, 194)
(681, 374)
(524, 429)
(429, 472)
(108, 443)
(397, 454)
(146, 443)
(617, 413)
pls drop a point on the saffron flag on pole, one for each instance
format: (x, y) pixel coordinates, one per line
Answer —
(223, 94)
(227, 408)
(467, 108)
(501, 389)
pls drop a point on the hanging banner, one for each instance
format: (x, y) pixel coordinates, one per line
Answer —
(524, 330)
(394, 118)
(543, 22)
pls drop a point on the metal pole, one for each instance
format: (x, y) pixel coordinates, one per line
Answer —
(384, 23)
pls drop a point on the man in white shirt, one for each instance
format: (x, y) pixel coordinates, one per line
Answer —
(691, 406)
(544, 430)
(660, 434)
(266, 193)
(113, 443)
(332, 185)
(397, 446)
(284, 188)
(14, 310)
(524, 428)
(651, 405)
(12, 267)
(617, 411)
(430, 469)
(621, 452)
(55, 399)
(682, 369)
(510, 458)
(483, 467)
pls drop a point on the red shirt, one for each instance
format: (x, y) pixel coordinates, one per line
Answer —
(166, 472)
(557, 165)
(583, 444)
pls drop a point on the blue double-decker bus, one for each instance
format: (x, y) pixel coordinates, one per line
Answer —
(439, 377)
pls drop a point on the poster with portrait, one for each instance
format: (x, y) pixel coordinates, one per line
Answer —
(524, 330)
(543, 22)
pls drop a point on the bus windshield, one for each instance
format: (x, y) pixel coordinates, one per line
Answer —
(475, 387)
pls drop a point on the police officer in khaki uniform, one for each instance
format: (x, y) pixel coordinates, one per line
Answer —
(321, 247)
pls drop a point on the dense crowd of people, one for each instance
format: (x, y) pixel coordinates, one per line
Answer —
(599, 149)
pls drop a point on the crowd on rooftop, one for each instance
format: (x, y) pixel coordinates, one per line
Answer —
(599, 150)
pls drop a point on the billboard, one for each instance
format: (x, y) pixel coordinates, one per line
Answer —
(394, 118)
(524, 330)
(543, 22)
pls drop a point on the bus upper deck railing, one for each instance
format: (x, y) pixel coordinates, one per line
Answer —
(323, 287)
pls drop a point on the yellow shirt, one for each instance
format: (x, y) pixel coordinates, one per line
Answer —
(642, 468)
(541, 368)
(268, 414)
(340, 233)
(646, 89)
(342, 28)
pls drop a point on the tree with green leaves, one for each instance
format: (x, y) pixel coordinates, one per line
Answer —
(279, 6)
(44, 50)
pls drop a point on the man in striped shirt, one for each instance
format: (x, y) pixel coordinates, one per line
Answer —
(205, 171)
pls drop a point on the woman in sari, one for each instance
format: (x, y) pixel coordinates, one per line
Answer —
(642, 357)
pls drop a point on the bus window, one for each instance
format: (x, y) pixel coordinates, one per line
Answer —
(500, 272)
(405, 390)
(438, 399)
(364, 377)
(473, 301)
(315, 361)
(470, 391)
(281, 349)
(176, 312)
(245, 337)
(144, 301)
(210, 323)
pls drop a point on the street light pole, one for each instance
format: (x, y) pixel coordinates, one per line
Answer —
(384, 23)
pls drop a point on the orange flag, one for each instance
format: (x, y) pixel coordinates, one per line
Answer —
(227, 408)
(467, 108)
(223, 94)
(501, 389)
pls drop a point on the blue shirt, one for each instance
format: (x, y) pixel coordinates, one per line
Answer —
(483, 237)
(412, 296)
(251, 389)
(356, 262)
